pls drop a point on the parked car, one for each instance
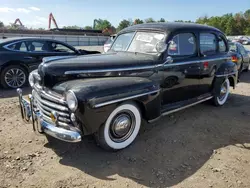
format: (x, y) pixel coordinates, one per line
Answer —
(150, 71)
(19, 56)
(240, 56)
(108, 43)
(242, 40)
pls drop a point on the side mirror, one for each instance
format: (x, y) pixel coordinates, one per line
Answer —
(169, 60)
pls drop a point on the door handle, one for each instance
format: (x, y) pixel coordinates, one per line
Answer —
(28, 57)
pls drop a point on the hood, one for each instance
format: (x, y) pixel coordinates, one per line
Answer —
(62, 65)
(55, 70)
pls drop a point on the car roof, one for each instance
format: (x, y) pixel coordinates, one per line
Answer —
(170, 27)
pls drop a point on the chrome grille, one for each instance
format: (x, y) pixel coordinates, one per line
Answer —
(45, 102)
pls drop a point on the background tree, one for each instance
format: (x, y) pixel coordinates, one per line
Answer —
(72, 27)
(162, 20)
(230, 24)
(102, 24)
(123, 24)
(149, 20)
(138, 21)
(88, 27)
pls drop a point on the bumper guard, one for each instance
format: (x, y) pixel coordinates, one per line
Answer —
(29, 114)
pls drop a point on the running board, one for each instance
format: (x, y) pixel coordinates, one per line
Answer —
(186, 106)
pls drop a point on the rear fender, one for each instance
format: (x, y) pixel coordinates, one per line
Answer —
(226, 70)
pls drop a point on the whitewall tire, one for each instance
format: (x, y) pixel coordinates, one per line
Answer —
(121, 127)
(221, 97)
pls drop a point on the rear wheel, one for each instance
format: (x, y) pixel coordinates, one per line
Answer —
(121, 127)
(221, 96)
(13, 76)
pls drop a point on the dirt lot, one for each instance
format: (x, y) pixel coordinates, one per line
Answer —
(203, 146)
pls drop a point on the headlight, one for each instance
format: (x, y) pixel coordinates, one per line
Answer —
(71, 100)
(31, 79)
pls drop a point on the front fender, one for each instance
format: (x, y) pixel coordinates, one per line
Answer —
(97, 98)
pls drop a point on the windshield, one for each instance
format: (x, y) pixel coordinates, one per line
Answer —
(142, 42)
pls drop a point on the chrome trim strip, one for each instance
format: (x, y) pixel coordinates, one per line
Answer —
(109, 70)
(143, 67)
(124, 99)
(48, 109)
(225, 75)
(50, 104)
(52, 98)
(181, 108)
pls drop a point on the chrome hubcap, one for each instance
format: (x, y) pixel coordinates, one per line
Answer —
(122, 126)
(223, 91)
(15, 78)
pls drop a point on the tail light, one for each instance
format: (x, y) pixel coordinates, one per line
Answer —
(234, 59)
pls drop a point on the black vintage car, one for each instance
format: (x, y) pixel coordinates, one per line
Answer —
(240, 56)
(19, 56)
(150, 71)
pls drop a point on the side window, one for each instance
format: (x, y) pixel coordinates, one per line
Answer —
(242, 49)
(207, 44)
(58, 47)
(19, 46)
(182, 44)
(37, 46)
(222, 46)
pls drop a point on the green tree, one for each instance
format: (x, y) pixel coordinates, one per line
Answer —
(247, 14)
(88, 27)
(102, 24)
(72, 27)
(138, 21)
(231, 27)
(149, 20)
(162, 20)
(123, 24)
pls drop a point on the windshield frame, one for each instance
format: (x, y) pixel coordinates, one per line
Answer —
(132, 38)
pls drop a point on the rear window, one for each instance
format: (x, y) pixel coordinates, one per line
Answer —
(207, 43)
(19, 46)
(182, 44)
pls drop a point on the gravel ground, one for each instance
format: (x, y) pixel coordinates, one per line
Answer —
(203, 146)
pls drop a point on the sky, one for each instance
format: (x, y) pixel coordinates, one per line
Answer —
(34, 13)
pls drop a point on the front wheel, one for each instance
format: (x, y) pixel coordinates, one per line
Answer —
(221, 96)
(121, 127)
(13, 76)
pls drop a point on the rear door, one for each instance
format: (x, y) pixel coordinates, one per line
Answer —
(180, 79)
(213, 52)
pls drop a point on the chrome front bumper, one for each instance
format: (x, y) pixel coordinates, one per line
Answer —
(39, 124)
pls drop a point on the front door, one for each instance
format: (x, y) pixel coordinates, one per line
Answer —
(180, 79)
